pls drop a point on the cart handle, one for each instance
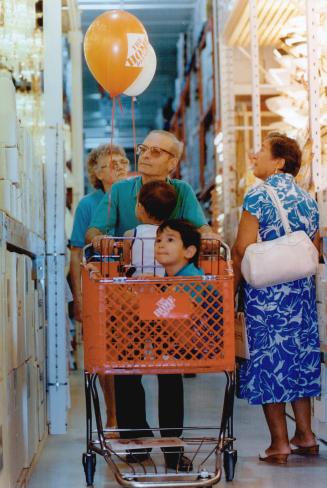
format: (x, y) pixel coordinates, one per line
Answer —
(223, 244)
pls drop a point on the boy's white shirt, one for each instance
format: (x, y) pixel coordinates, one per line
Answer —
(146, 247)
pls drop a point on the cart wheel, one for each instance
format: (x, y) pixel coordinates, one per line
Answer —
(230, 459)
(89, 462)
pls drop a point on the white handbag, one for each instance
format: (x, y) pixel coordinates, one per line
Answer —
(287, 258)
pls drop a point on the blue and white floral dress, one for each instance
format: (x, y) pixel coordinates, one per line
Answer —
(281, 320)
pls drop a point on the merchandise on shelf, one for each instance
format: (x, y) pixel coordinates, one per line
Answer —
(181, 56)
(21, 40)
(21, 197)
(321, 290)
(320, 403)
(22, 378)
(30, 413)
(193, 120)
(201, 13)
(207, 73)
(8, 121)
(210, 163)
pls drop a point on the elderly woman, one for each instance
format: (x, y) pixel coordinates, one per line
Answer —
(281, 320)
(106, 164)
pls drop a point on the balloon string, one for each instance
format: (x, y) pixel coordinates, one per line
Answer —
(113, 120)
(111, 146)
(120, 104)
(134, 135)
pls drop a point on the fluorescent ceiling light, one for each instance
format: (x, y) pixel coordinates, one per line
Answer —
(134, 6)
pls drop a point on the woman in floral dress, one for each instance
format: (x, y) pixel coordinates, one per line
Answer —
(281, 320)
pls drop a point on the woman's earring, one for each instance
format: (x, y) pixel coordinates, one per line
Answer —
(276, 171)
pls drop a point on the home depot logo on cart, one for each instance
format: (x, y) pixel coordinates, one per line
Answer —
(170, 306)
(165, 307)
(137, 48)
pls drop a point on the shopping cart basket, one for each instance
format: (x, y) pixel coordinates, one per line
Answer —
(159, 325)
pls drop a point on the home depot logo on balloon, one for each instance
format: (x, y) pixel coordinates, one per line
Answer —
(118, 53)
(137, 49)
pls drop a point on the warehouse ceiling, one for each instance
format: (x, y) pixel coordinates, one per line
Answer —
(164, 20)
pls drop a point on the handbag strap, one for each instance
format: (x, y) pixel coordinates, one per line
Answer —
(282, 212)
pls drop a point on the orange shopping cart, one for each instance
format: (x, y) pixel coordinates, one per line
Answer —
(159, 325)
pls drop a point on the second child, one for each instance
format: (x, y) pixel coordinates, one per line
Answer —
(155, 203)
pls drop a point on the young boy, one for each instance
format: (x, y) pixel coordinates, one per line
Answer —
(177, 248)
(156, 201)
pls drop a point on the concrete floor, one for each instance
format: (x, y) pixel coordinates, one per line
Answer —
(60, 463)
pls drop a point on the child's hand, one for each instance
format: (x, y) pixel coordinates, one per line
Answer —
(93, 269)
(145, 276)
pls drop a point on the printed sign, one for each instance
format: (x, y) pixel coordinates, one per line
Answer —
(165, 306)
(137, 50)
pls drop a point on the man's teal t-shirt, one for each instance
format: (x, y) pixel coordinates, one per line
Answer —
(121, 216)
(83, 216)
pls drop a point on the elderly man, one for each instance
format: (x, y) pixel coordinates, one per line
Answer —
(158, 157)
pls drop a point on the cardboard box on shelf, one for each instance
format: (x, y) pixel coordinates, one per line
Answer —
(9, 164)
(40, 329)
(25, 150)
(30, 413)
(16, 389)
(8, 121)
(5, 196)
(3, 308)
(41, 400)
(5, 478)
(18, 195)
(320, 408)
(11, 325)
(30, 313)
(21, 309)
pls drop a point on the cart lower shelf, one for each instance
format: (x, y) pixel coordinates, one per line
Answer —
(211, 449)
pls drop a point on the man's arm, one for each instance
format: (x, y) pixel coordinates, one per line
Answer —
(91, 233)
(75, 274)
(104, 220)
(208, 233)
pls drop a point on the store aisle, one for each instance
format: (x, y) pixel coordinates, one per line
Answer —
(60, 463)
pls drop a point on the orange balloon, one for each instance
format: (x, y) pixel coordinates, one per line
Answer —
(115, 46)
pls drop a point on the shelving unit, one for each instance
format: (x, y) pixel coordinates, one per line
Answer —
(23, 406)
(194, 119)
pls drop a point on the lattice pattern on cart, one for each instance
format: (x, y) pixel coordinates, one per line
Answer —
(161, 325)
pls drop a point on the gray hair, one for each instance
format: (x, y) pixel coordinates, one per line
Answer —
(178, 146)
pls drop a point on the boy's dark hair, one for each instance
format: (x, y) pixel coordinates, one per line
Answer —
(189, 234)
(158, 199)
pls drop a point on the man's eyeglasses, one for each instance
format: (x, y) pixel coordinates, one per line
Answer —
(155, 151)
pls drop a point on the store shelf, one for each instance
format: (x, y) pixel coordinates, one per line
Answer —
(194, 118)
(206, 193)
(18, 236)
(271, 18)
(207, 115)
